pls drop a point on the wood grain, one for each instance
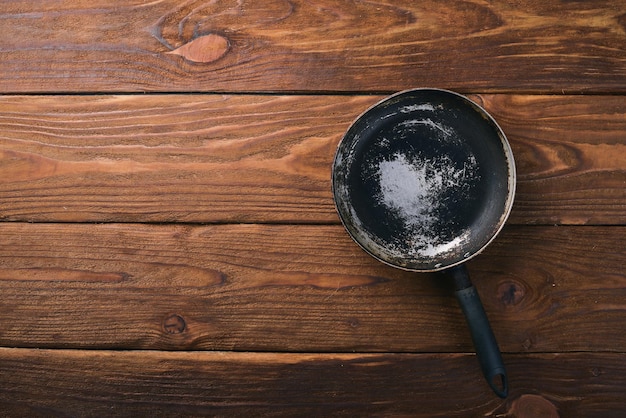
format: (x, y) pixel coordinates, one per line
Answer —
(570, 155)
(97, 383)
(299, 288)
(189, 158)
(327, 45)
(265, 158)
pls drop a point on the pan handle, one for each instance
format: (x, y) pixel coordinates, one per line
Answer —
(485, 343)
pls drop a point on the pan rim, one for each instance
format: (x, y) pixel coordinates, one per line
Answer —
(511, 180)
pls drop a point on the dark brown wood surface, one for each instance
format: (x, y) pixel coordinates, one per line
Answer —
(190, 158)
(45, 383)
(168, 240)
(326, 45)
(299, 288)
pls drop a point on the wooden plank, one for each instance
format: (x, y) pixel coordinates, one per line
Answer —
(259, 158)
(329, 45)
(189, 158)
(95, 383)
(299, 288)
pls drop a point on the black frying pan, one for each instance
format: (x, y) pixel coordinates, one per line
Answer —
(423, 181)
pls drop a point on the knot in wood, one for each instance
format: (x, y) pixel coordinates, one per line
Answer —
(205, 49)
(511, 293)
(533, 406)
(174, 324)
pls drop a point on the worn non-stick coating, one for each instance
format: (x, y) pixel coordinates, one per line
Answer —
(424, 180)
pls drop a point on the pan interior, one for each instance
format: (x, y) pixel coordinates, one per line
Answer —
(422, 180)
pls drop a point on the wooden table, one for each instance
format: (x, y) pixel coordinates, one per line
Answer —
(169, 244)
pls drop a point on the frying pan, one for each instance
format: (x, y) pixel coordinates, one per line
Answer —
(423, 181)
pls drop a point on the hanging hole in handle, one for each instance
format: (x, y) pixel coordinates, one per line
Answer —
(500, 385)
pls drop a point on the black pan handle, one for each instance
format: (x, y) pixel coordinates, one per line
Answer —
(484, 341)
